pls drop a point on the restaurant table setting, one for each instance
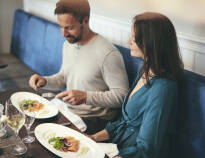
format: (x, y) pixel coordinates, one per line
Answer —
(41, 132)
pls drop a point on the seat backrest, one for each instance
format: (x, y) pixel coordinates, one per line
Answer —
(190, 141)
(132, 64)
(37, 43)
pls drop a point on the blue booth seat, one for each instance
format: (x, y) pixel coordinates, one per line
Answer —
(132, 64)
(191, 117)
(37, 43)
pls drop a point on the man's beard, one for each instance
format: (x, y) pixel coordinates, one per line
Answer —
(72, 39)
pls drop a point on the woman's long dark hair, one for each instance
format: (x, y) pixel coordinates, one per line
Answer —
(156, 37)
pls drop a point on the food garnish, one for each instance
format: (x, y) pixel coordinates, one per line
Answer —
(31, 105)
(65, 144)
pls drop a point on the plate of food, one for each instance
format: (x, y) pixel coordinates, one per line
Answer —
(66, 142)
(31, 102)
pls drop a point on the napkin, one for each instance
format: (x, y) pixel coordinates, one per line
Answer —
(75, 119)
(109, 148)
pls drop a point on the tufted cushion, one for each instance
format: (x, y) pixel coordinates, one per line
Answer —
(19, 34)
(37, 42)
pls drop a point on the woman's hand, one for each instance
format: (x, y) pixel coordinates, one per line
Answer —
(89, 136)
(100, 136)
(117, 157)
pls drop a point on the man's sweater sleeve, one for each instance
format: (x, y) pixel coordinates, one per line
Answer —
(115, 76)
(56, 81)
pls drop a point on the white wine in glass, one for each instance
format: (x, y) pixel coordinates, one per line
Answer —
(15, 120)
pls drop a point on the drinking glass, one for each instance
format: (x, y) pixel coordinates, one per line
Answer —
(29, 120)
(2, 130)
(2, 124)
(15, 120)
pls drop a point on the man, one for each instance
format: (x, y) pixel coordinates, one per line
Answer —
(92, 70)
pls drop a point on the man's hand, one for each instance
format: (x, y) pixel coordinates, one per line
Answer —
(37, 81)
(73, 97)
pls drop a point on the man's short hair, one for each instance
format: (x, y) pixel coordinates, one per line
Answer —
(78, 8)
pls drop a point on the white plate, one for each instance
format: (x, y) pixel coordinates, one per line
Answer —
(88, 148)
(48, 110)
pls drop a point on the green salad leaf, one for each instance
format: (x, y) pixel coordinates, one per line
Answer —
(58, 143)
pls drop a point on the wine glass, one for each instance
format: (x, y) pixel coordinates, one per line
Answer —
(29, 120)
(2, 123)
(15, 120)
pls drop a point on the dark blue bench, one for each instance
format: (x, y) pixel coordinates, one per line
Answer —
(38, 44)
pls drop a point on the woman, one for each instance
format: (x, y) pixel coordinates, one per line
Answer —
(143, 131)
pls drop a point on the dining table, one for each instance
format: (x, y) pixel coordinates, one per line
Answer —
(35, 149)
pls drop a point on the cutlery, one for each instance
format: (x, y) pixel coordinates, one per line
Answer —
(48, 95)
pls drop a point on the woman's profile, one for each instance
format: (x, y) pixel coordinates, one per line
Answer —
(143, 130)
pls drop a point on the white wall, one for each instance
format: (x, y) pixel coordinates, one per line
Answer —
(186, 14)
(7, 8)
(42, 8)
(112, 18)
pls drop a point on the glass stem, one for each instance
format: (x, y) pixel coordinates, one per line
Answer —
(16, 134)
(28, 131)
